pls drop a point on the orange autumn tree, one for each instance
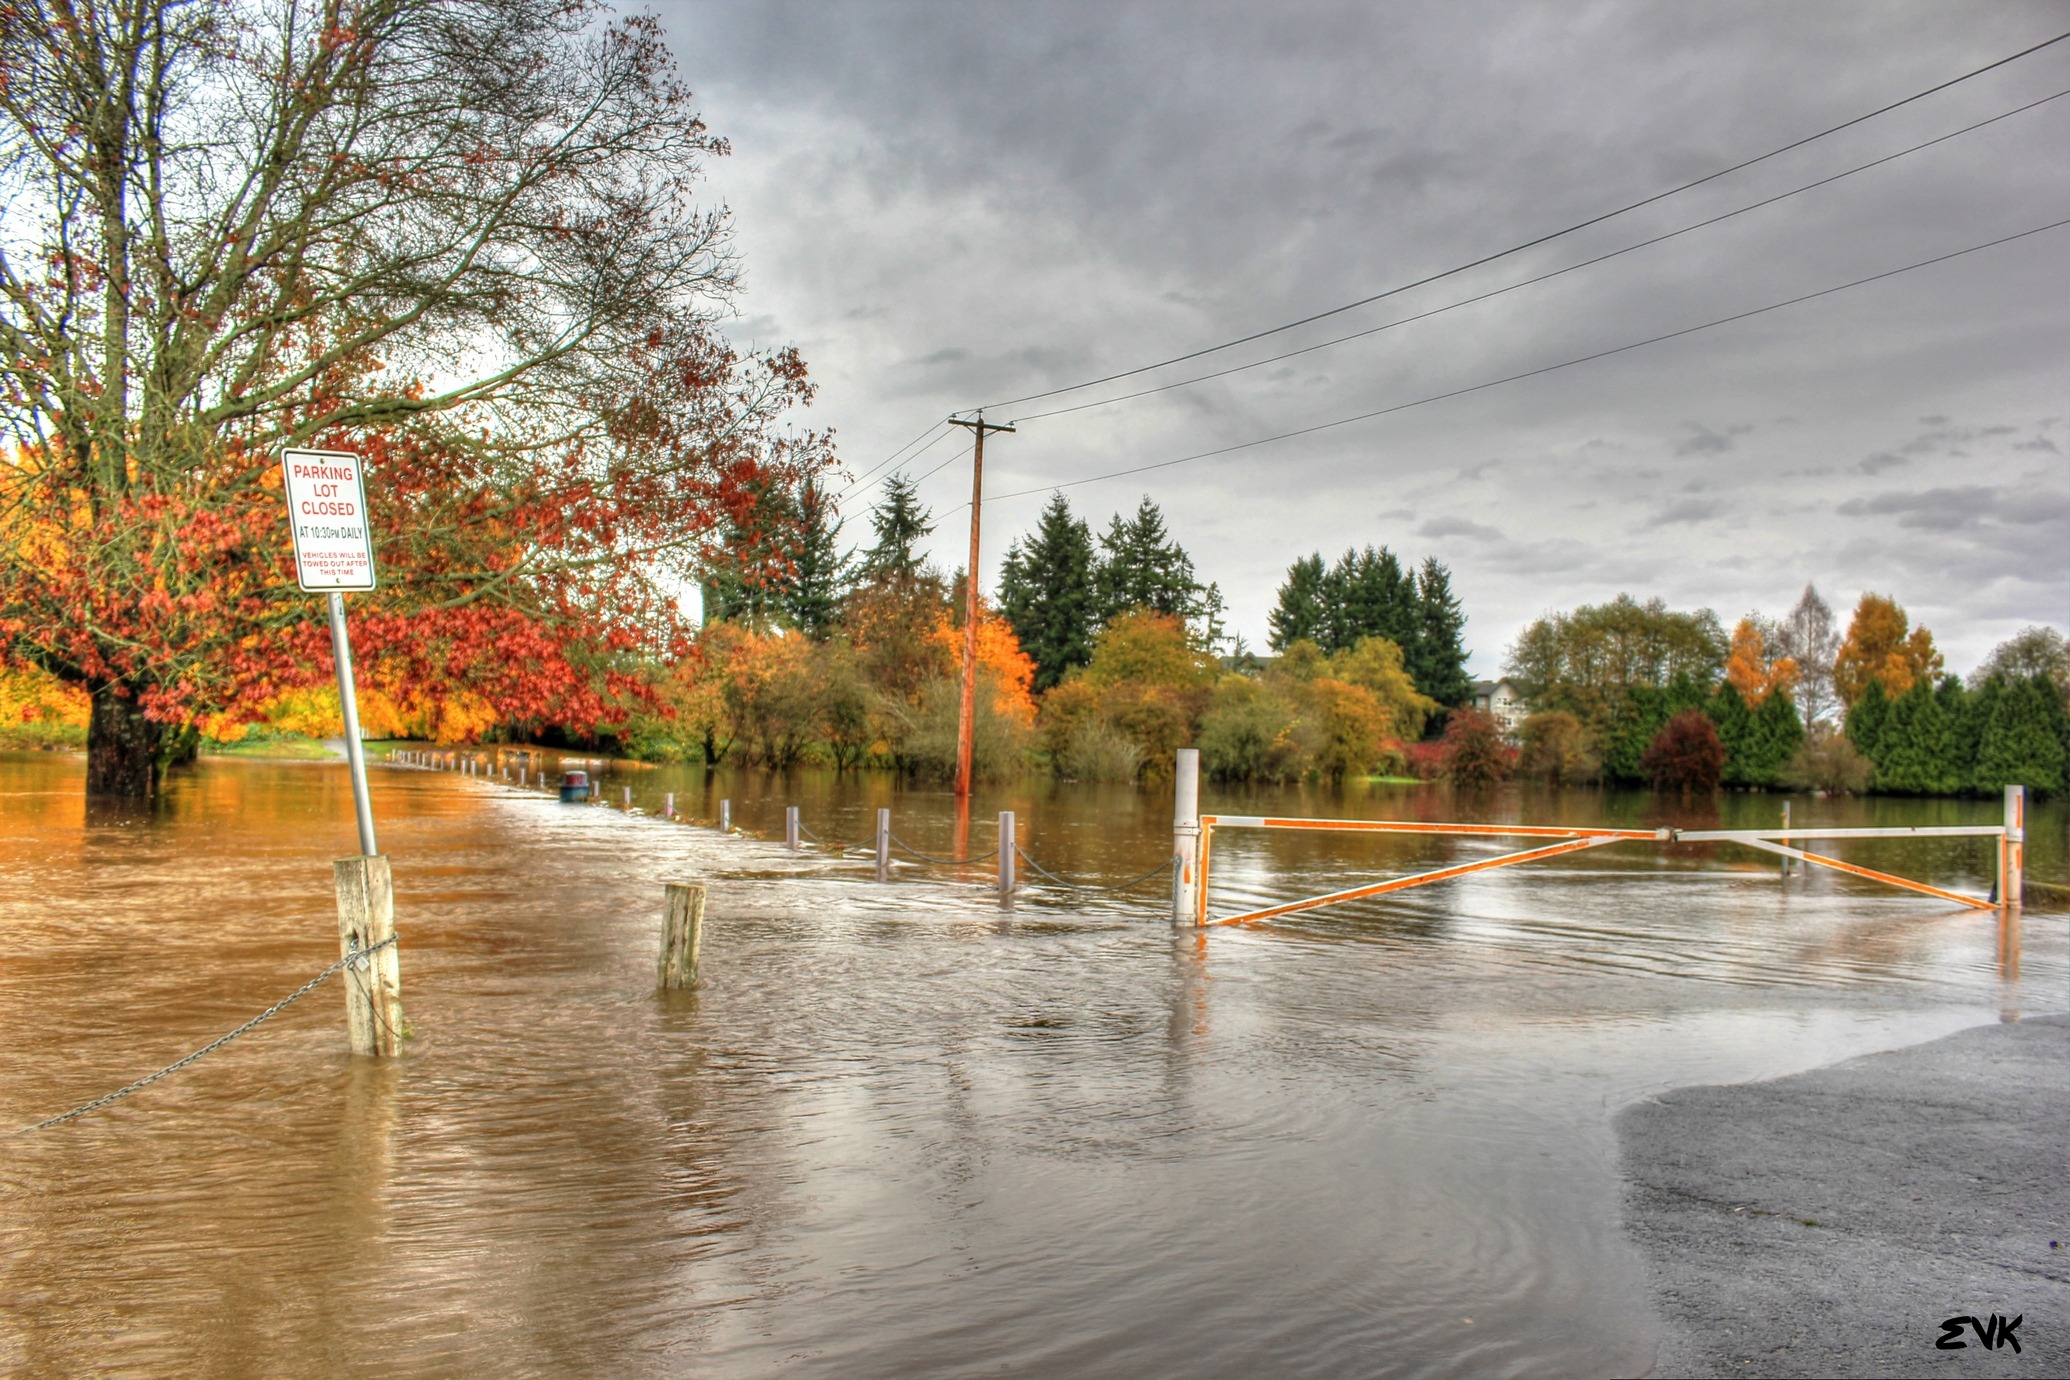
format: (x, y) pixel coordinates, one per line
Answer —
(1882, 646)
(1753, 671)
(462, 240)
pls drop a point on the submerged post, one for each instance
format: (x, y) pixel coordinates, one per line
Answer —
(883, 844)
(373, 981)
(628, 797)
(1006, 852)
(790, 827)
(1186, 840)
(725, 816)
(668, 806)
(1786, 838)
(2012, 849)
(682, 934)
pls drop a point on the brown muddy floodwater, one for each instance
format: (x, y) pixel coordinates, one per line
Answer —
(900, 1129)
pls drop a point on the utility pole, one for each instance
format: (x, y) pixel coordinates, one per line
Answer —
(967, 710)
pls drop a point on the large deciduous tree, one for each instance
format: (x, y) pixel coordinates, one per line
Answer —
(457, 235)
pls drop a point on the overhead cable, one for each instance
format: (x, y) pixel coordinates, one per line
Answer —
(1542, 239)
(1534, 373)
(1540, 278)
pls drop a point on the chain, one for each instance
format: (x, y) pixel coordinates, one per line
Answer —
(1164, 866)
(356, 957)
(943, 862)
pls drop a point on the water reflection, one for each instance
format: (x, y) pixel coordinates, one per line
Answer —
(899, 1128)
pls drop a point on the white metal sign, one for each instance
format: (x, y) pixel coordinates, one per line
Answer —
(327, 510)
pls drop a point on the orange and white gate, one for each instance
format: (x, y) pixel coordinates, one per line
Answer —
(1194, 833)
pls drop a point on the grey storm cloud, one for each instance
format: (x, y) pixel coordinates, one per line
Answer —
(1944, 510)
(948, 205)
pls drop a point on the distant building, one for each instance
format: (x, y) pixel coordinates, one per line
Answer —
(1503, 700)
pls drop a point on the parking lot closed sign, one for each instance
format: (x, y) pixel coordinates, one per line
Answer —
(327, 511)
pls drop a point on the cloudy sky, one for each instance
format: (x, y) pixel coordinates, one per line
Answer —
(952, 205)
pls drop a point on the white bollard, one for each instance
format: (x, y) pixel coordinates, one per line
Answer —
(668, 806)
(725, 816)
(628, 797)
(883, 844)
(2012, 852)
(790, 827)
(1006, 853)
(1186, 840)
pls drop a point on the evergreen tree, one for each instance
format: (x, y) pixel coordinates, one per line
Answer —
(1778, 733)
(1143, 568)
(1866, 719)
(1047, 594)
(1436, 656)
(1915, 748)
(1299, 615)
(900, 521)
(1642, 712)
(2026, 741)
(1735, 724)
(809, 593)
(745, 580)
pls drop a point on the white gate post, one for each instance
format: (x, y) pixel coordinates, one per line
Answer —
(1006, 852)
(2012, 853)
(1186, 839)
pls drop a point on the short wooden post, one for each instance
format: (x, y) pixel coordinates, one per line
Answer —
(725, 816)
(790, 827)
(2012, 850)
(883, 844)
(1186, 840)
(1006, 847)
(373, 982)
(682, 934)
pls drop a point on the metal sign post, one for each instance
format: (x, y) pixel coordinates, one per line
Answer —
(334, 552)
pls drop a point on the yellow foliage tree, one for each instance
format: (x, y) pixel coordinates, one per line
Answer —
(1750, 669)
(1881, 645)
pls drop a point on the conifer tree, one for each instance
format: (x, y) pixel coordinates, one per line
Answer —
(900, 521)
(1867, 718)
(1778, 733)
(1299, 615)
(2026, 740)
(745, 581)
(1437, 653)
(1915, 749)
(1143, 568)
(1047, 593)
(1735, 724)
(809, 594)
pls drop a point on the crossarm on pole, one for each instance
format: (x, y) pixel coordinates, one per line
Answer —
(1420, 879)
(1860, 871)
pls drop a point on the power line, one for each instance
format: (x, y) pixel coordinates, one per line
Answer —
(897, 453)
(1542, 239)
(1532, 373)
(1540, 278)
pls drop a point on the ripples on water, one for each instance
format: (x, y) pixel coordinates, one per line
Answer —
(899, 1128)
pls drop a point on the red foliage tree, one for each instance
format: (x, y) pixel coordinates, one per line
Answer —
(1474, 754)
(1686, 754)
(459, 239)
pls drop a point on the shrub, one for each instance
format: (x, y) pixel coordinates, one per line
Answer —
(1425, 761)
(1686, 754)
(1098, 752)
(1557, 748)
(1827, 762)
(1474, 754)
(1251, 733)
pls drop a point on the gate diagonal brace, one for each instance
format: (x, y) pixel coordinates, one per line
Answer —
(1801, 856)
(1570, 845)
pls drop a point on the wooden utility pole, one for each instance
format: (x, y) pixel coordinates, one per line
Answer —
(967, 710)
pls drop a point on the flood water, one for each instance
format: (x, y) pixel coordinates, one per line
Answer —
(902, 1127)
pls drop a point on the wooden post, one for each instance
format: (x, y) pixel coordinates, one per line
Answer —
(725, 816)
(682, 934)
(373, 984)
(1186, 840)
(2012, 850)
(883, 844)
(790, 827)
(1006, 853)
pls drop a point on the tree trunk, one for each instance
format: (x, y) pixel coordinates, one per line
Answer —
(121, 748)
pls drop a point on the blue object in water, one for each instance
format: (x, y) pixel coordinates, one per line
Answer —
(575, 788)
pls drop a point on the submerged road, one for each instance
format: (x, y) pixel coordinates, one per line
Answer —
(1828, 1223)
